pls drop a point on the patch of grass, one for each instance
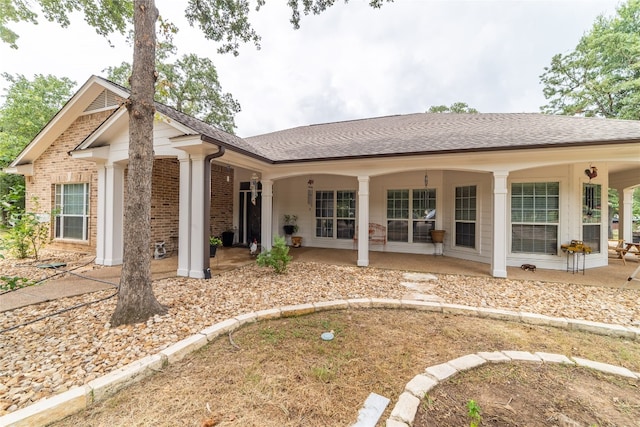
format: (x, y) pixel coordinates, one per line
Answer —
(271, 335)
(322, 373)
(285, 375)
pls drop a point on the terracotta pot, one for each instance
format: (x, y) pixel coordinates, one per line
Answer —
(437, 236)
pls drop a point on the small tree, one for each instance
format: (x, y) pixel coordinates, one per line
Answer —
(277, 258)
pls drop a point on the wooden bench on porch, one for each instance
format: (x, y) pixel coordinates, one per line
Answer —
(377, 234)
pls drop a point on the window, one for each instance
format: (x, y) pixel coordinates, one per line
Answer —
(421, 204)
(72, 211)
(535, 212)
(591, 215)
(466, 216)
(342, 219)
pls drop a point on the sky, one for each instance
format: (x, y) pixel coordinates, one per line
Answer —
(352, 61)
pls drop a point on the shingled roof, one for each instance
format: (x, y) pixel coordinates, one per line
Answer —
(420, 133)
(429, 133)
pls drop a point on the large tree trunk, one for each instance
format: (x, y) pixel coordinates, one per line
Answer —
(136, 301)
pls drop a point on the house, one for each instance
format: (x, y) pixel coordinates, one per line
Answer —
(507, 189)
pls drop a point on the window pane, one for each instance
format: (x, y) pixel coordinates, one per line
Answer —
(324, 227)
(397, 231)
(421, 231)
(466, 234)
(346, 228)
(73, 227)
(398, 204)
(542, 239)
(591, 236)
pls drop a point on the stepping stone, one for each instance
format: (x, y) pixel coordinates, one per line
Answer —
(422, 287)
(419, 277)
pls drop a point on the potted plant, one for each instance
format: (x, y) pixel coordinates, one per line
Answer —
(437, 236)
(290, 224)
(214, 242)
(227, 238)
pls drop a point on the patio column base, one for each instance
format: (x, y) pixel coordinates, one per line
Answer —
(363, 263)
(499, 273)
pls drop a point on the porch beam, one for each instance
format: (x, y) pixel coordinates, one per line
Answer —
(500, 224)
(363, 221)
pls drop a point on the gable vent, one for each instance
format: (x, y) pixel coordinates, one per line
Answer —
(105, 100)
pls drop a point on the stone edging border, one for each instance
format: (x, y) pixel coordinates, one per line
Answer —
(405, 410)
(78, 398)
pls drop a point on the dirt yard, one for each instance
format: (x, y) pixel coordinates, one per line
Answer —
(280, 373)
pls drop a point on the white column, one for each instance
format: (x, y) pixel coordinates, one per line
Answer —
(266, 222)
(113, 215)
(500, 224)
(196, 229)
(184, 217)
(363, 221)
(101, 214)
(625, 222)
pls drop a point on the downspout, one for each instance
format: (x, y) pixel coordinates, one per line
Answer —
(207, 208)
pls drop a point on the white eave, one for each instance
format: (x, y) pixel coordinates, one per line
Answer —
(95, 154)
(26, 169)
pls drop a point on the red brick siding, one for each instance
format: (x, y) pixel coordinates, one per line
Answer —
(165, 194)
(55, 166)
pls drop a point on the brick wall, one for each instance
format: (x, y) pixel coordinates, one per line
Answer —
(55, 166)
(221, 199)
(165, 193)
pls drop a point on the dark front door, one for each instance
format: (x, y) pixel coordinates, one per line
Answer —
(250, 215)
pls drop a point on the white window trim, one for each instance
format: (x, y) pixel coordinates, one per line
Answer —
(86, 216)
(476, 248)
(410, 220)
(335, 212)
(561, 220)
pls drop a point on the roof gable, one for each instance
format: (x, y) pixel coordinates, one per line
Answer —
(82, 102)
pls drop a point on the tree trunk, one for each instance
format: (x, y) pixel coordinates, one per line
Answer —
(136, 301)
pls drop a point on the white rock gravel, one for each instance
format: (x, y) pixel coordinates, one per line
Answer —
(74, 347)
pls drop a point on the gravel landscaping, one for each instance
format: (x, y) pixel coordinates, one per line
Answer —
(71, 348)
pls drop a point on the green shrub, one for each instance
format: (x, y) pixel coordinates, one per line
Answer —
(26, 235)
(12, 283)
(277, 257)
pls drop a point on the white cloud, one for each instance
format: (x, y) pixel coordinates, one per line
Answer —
(352, 61)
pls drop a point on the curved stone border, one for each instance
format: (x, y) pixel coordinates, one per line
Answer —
(64, 404)
(405, 410)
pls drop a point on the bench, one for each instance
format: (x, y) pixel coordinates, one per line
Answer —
(377, 234)
(621, 251)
